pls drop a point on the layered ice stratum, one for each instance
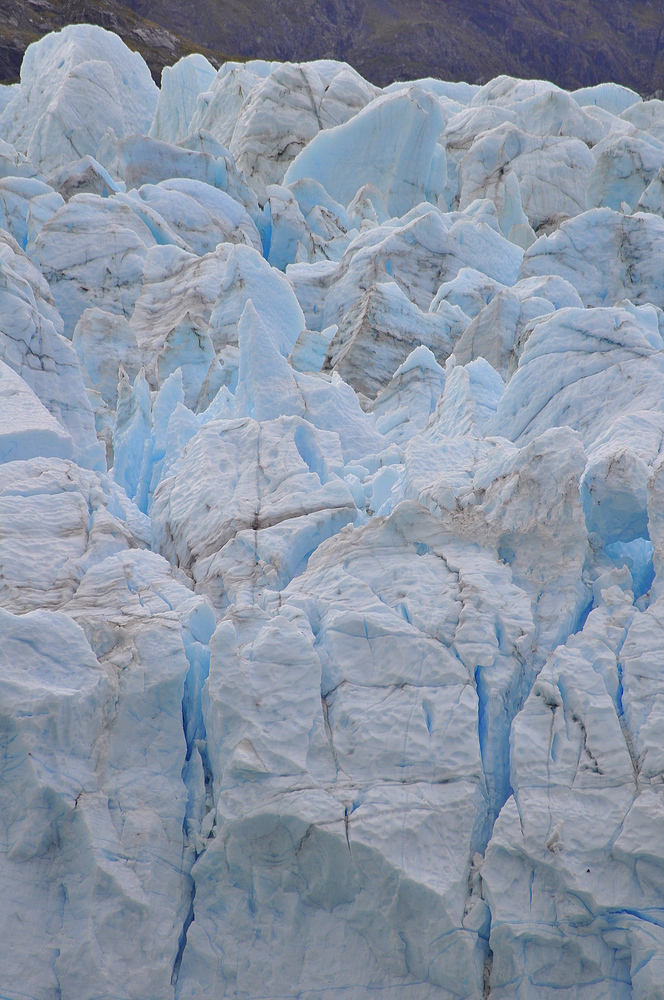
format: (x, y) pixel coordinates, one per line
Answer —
(331, 534)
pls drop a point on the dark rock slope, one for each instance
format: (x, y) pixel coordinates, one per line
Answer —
(24, 21)
(573, 42)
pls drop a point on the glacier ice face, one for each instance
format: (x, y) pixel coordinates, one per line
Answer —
(552, 172)
(178, 96)
(285, 110)
(396, 659)
(612, 348)
(555, 113)
(178, 289)
(77, 520)
(378, 333)
(140, 160)
(247, 278)
(103, 266)
(608, 96)
(508, 314)
(470, 290)
(84, 175)
(357, 152)
(311, 283)
(75, 84)
(504, 91)
(103, 342)
(606, 255)
(622, 172)
(331, 534)
(218, 107)
(16, 193)
(652, 199)
(262, 523)
(31, 343)
(144, 159)
(419, 252)
(199, 214)
(403, 407)
(455, 94)
(498, 331)
(645, 115)
(28, 429)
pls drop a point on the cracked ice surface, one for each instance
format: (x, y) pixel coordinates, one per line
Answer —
(331, 534)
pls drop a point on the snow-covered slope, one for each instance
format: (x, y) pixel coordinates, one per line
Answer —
(331, 535)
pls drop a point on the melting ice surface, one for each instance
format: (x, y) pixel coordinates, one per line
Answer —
(331, 534)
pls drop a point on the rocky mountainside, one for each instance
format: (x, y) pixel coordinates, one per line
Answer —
(571, 42)
(24, 21)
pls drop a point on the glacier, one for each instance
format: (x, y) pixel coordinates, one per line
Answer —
(331, 534)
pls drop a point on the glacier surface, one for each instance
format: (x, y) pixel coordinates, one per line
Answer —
(331, 534)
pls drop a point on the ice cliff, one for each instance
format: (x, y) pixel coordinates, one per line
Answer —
(331, 534)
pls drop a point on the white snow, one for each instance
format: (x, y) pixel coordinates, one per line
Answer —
(331, 534)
